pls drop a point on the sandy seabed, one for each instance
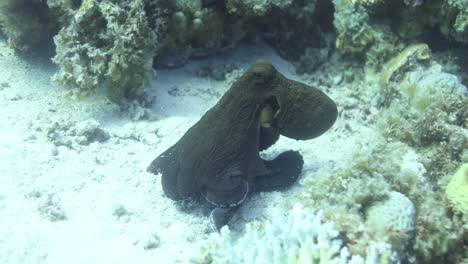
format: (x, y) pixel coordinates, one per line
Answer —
(69, 196)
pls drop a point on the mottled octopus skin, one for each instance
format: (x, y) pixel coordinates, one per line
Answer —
(220, 153)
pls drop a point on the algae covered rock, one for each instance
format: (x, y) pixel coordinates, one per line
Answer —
(379, 194)
(28, 24)
(255, 7)
(377, 29)
(196, 29)
(301, 27)
(427, 108)
(358, 33)
(431, 88)
(110, 40)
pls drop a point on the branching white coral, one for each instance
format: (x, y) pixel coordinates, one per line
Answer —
(299, 237)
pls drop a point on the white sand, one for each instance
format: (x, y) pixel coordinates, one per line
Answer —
(87, 183)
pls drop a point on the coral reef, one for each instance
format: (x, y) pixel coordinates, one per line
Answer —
(413, 3)
(110, 40)
(351, 22)
(429, 111)
(370, 179)
(301, 237)
(426, 108)
(459, 7)
(27, 24)
(197, 30)
(255, 7)
(302, 28)
(346, 191)
(358, 34)
(116, 41)
(201, 28)
(448, 18)
(376, 30)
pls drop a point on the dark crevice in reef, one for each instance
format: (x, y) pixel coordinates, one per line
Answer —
(291, 31)
(438, 42)
(29, 26)
(449, 49)
(324, 11)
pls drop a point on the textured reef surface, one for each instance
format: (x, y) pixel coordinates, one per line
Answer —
(117, 42)
(386, 184)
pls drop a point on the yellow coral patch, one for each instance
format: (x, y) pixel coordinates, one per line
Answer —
(457, 190)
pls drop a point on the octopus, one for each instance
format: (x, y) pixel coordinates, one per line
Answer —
(217, 160)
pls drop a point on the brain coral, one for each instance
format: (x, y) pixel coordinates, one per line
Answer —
(394, 216)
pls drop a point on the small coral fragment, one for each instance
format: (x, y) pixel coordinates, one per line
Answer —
(151, 241)
(49, 207)
(76, 134)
